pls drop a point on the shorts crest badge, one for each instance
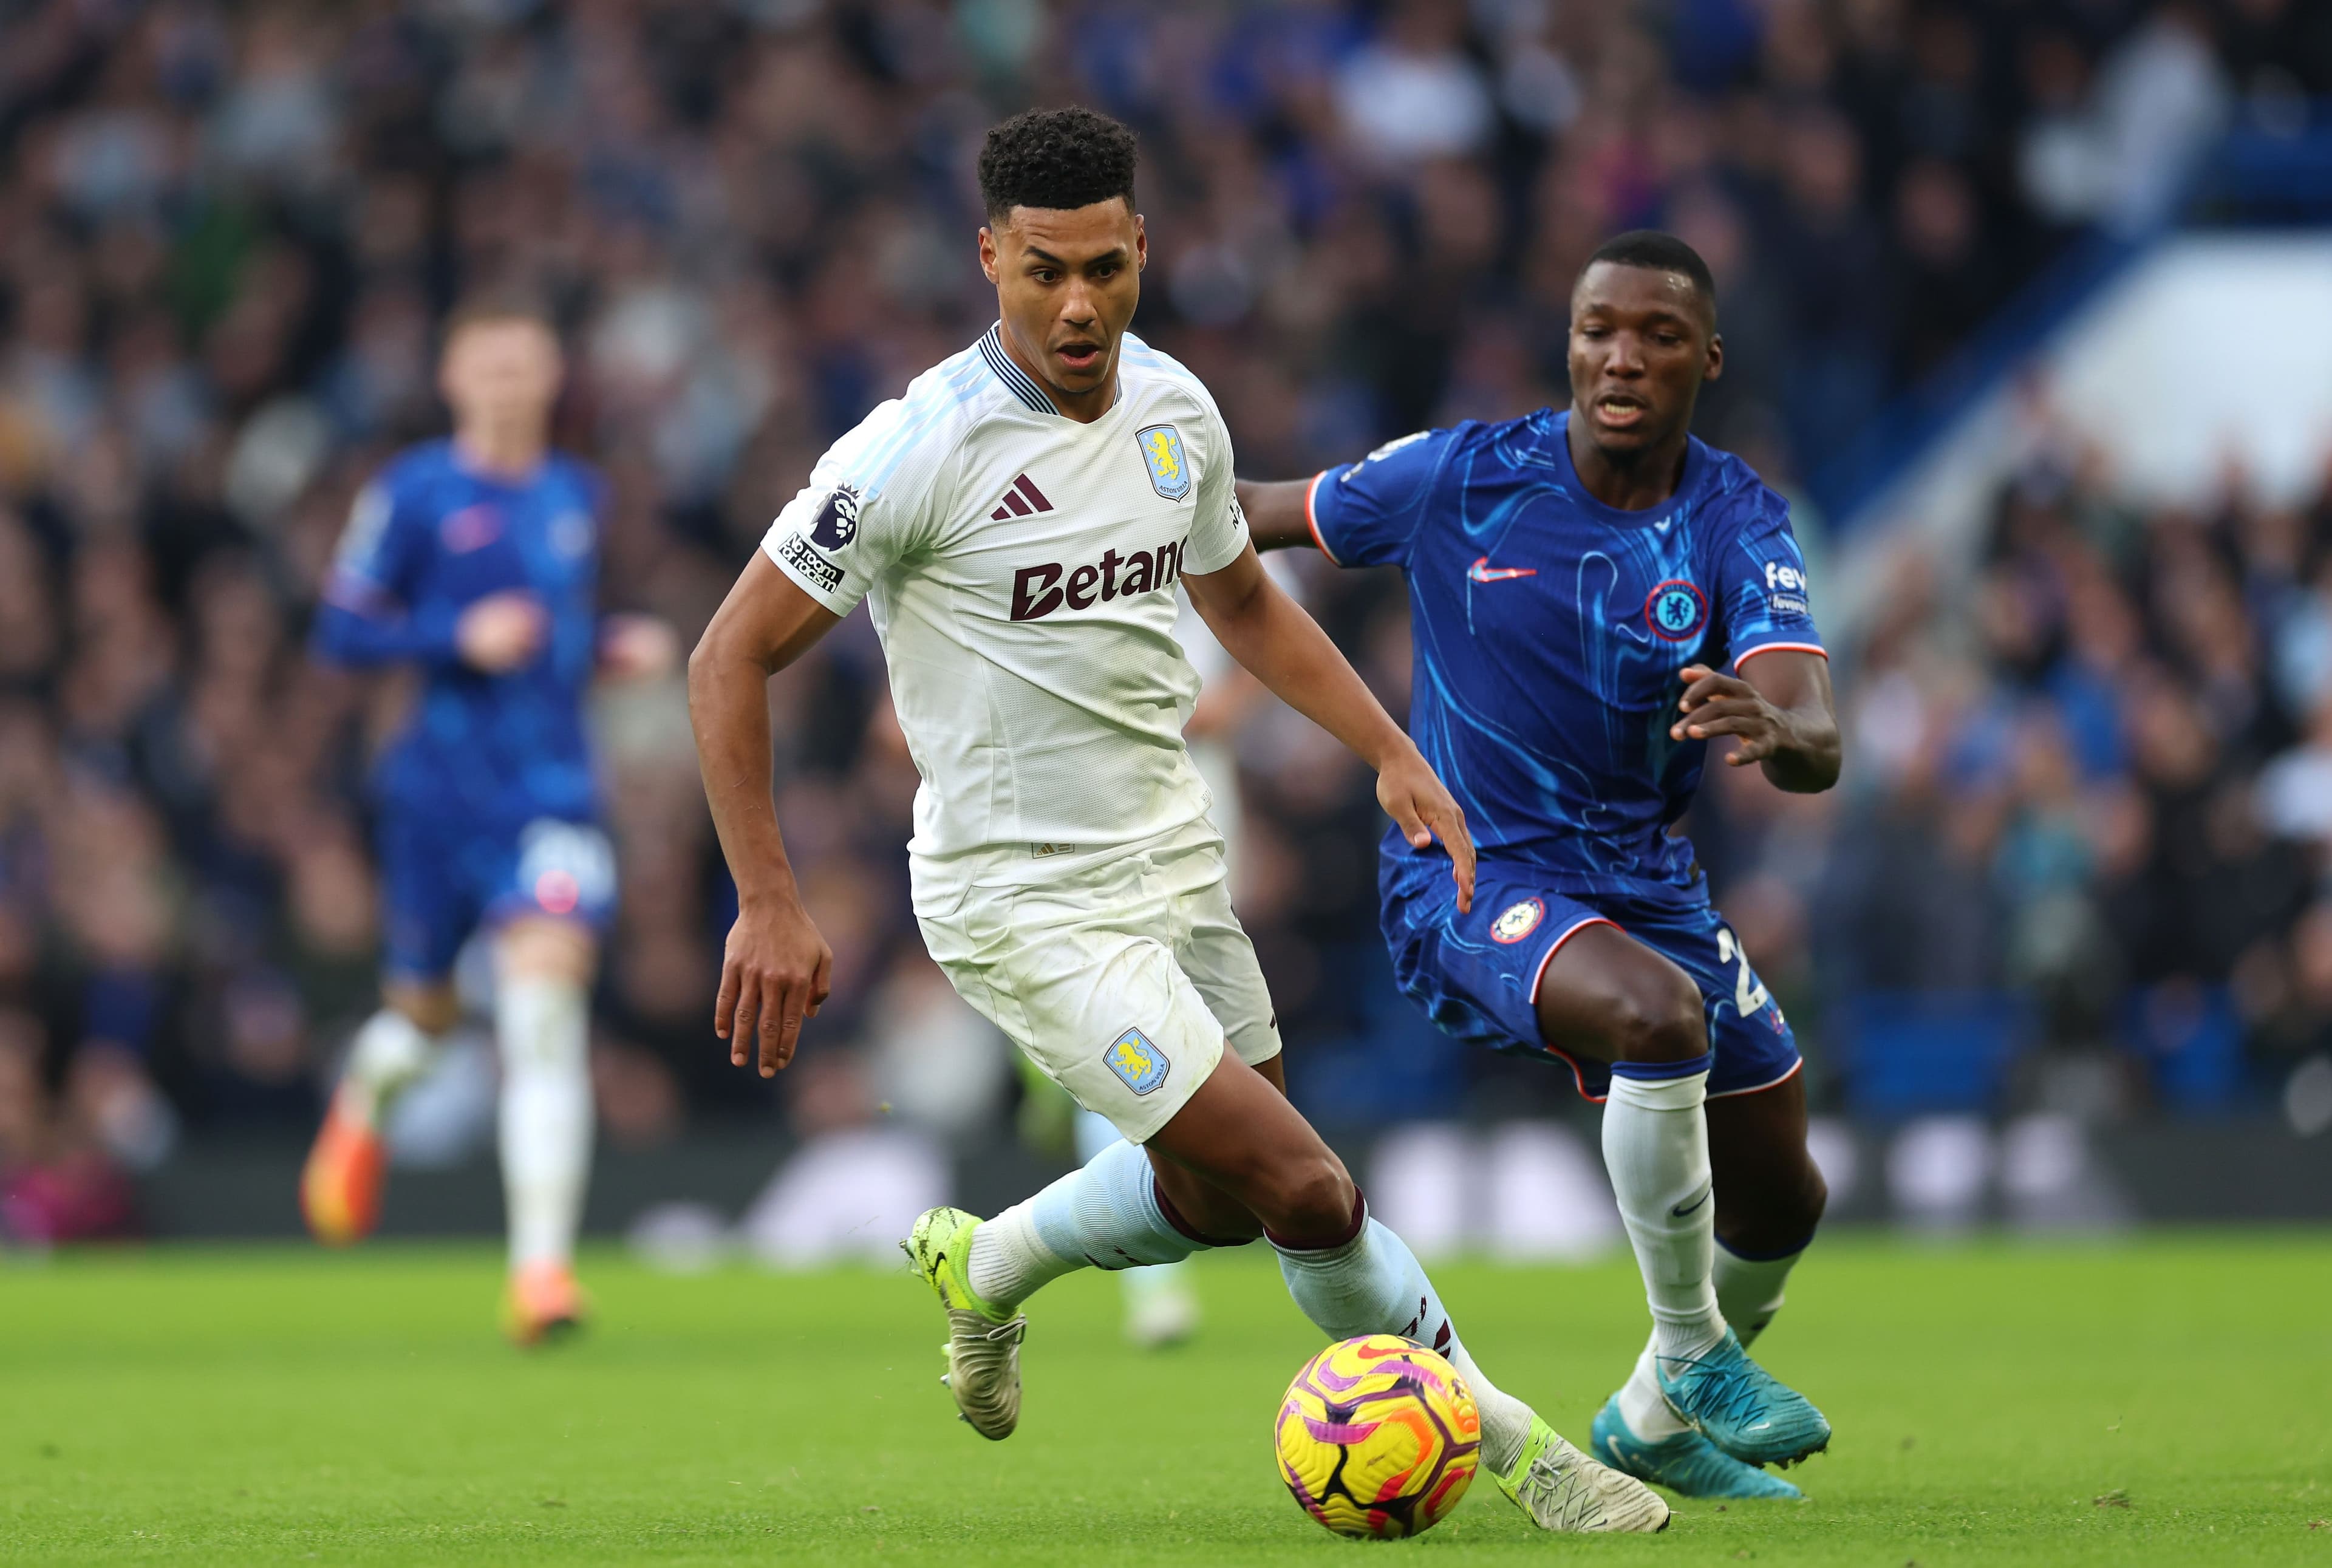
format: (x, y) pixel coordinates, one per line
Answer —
(1143, 1066)
(1161, 453)
(1517, 921)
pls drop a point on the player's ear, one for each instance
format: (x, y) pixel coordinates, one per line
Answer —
(1140, 244)
(1713, 366)
(988, 252)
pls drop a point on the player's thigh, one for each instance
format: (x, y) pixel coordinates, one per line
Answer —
(546, 947)
(548, 891)
(1215, 951)
(1242, 1137)
(1770, 1194)
(1195, 1205)
(1529, 970)
(428, 910)
(1606, 996)
(1076, 978)
(1751, 1041)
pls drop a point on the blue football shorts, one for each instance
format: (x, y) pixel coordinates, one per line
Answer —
(441, 882)
(1478, 975)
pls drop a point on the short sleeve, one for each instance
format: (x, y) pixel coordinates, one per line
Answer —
(1218, 528)
(1763, 580)
(862, 509)
(1367, 513)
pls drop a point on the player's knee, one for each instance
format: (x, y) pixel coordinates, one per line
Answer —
(545, 949)
(1657, 1019)
(1312, 1198)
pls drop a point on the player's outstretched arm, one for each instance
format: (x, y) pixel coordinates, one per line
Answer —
(776, 969)
(1269, 634)
(1275, 513)
(1779, 704)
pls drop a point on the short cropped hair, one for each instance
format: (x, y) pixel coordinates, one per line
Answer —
(496, 305)
(1059, 159)
(1659, 253)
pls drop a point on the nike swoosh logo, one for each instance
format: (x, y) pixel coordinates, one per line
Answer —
(1681, 1209)
(1483, 571)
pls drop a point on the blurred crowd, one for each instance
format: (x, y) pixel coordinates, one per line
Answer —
(227, 229)
(2094, 782)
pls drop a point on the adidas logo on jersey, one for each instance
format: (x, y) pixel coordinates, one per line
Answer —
(1038, 590)
(1021, 499)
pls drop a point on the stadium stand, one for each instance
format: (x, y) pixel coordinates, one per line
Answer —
(2103, 781)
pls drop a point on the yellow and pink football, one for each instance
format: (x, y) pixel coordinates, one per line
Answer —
(1378, 1438)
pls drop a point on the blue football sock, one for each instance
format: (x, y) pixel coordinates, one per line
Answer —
(1105, 1215)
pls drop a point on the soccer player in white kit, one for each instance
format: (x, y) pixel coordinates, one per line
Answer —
(1018, 522)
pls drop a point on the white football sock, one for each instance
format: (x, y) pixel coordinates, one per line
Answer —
(390, 1054)
(1095, 1132)
(544, 1028)
(1372, 1283)
(1643, 1407)
(1105, 1214)
(1749, 1289)
(1656, 1148)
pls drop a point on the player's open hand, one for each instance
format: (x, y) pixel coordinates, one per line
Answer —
(775, 971)
(1716, 705)
(1414, 797)
(500, 632)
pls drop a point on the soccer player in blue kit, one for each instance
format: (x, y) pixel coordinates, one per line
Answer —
(1579, 582)
(476, 559)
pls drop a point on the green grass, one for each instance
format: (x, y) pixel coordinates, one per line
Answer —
(2157, 1401)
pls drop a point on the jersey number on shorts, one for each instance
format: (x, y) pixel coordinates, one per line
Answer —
(1749, 993)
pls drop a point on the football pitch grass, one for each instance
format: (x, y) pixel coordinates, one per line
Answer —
(2157, 1400)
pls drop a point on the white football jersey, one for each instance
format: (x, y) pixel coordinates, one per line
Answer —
(1021, 569)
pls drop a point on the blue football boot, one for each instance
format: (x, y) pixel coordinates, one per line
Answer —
(1687, 1463)
(1740, 1406)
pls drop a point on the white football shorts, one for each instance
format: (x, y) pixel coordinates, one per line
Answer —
(1119, 972)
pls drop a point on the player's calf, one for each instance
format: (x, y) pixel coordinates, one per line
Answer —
(1769, 1198)
(1751, 1269)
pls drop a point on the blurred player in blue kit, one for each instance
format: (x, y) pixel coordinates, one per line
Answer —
(1579, 582)
(475, 561)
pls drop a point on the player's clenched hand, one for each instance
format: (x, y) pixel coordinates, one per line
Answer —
(1716, 705)
(775, 971)
(500, 632)
(1413, 796)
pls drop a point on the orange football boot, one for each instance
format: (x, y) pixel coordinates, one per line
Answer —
(339, 1189)
(543, 1303)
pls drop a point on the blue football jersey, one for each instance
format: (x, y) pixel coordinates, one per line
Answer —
(427, 539)
(1550, 631)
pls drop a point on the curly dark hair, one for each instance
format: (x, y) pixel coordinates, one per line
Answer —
(1056, 158)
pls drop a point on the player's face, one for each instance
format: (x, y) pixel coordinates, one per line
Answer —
(1642, 343)
(501, 372)
(1067, 282)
